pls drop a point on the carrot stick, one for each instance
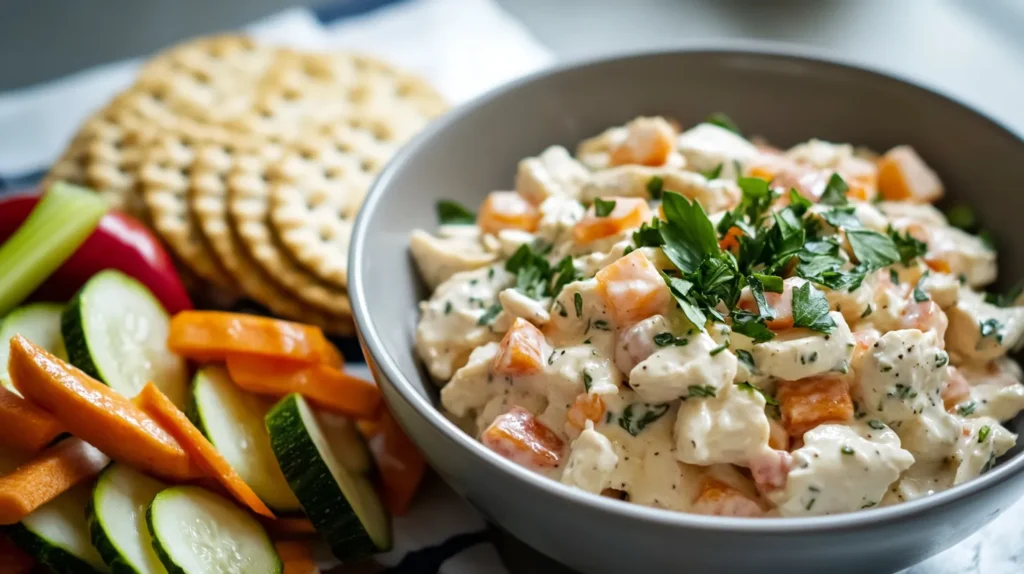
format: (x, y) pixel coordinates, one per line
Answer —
(48, 475)
(400, 464)
(296, 556)
(158, 406)
(96, 413)
(289, 528)
(26, 427)
(12, 559)
(212, 335)
(326, 387)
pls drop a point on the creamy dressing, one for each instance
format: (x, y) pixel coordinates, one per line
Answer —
(633, 400)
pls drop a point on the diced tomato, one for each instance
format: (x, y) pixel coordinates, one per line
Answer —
(649, 141)
(507, 210)
(521, 351)
(717, 498)
(903, 175)
(956, 391)
(781, 303)
(810, 402)
(586, 407)
(518, 436)
(628, 212)
(633, 289)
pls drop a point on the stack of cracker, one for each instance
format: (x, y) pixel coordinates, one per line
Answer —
(251, 162)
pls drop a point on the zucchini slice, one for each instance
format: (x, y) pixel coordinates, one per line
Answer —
(116, 331)
(232, 421)
(117, 520)
(37, 322)
(195, 531)
(57, 534)
(345, 440)
(342, 505)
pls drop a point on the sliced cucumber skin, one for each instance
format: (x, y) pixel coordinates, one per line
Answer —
(165, 556)
(53, 558)
(72, 328)
(112, 557)
(312, 482)
(40, 323)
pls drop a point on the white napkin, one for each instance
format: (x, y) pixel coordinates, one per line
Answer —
(464, 47)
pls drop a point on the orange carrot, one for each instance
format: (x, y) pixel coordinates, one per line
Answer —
(326, 387)
(96, 413)
(12, 559)
(400, 464)
(289, 528)
(45, 477)
(212, 335)
(158, 406)
(26, 427)
(296, 556)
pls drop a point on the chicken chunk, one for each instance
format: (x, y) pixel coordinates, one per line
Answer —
(903, 375)
(800, 353)
(439, 258)
(706, 146)
(904, 176)
(983, 441)
(675, 371)
(591, 461)
(728, 428)
(553, 173)
(979, 331)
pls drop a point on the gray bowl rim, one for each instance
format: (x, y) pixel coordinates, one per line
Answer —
(383, 359)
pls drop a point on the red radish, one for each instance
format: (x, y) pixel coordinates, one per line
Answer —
(118, 242)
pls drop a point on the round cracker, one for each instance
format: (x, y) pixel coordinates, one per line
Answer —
(318, 187)
(249, 206)
(210, 205)
(165, 177)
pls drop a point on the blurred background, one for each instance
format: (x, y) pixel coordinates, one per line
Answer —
(973, 49)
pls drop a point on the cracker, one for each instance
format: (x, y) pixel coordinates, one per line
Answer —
(318, 187)
(165, 177)
(210, 206)
(249, 206)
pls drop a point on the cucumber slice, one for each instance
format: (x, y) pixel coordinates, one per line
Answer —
(57, 534)
(37, 322)
(342, 505)
(116, 331)
(117, 520)
(233, 422)
(195, 531)
(345, 440)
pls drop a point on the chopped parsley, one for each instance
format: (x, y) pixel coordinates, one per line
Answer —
(561, 309)
(876, 424)
(601, 325)
(894, 277)
(577, 301)
(872, 249)
(991, 327)
(655, 186)
(454, 213)
(966, 409)
(603, 207)
(648, 235)
(904, 392)
(846, 450)
(700, 391)
(637, 416)
(908, 247)
(563, 273)
(489, 315)
(919, 295)
(723, 121)
(712, 173)
(867, 311)
(719, 349)
(447, 307)
(751, 388)
(835, 191)
(941, 360)
(666, 339)
(810, 309)
(983, 433)
(747, 359)
(587, 380)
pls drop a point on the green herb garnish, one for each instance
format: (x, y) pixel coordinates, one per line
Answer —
(602, 207)
(454, 213)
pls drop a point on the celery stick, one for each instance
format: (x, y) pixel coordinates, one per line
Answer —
(59, 224)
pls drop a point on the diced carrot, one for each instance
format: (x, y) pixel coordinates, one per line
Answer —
(296, 556)
(861, 177)
(97, 414)
(956, 391)
(731, 241)
(778, 437)
(781, 304)
(46, 476)
(939, 265)
(299, 566)
(810, 402)
(399, 462)
(633, 289)
(12, 559)
(649, 141)
(507, 210)
(586, 407)
(368, 427)
(212, 335)
(628, 212)
(327, 387)
(521, 351)
(717, 498)
(206, 457)
(518, 436)
(26, 427)
(903, 175)
(333, 358)
(289, 528)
